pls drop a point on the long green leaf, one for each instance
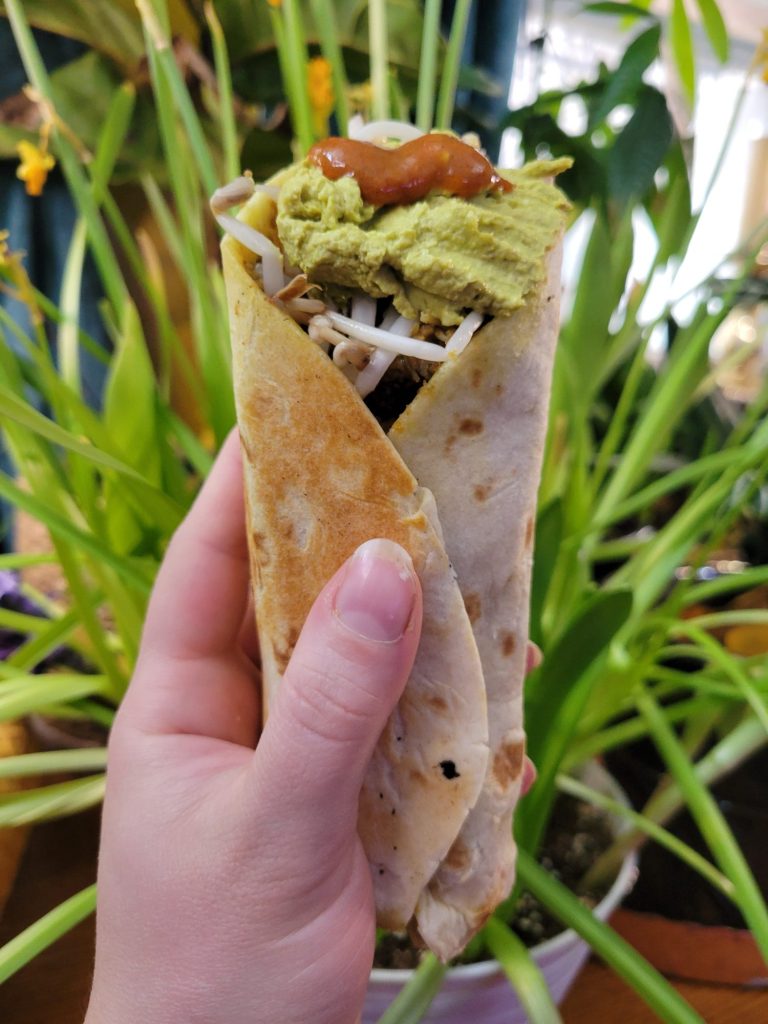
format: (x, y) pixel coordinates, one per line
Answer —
(416, 997)
(61, 527)
(660, 835)
(652, 988)
(710, 821)
(450, 77)
(53, 762)
(27, 416)
(39, 691)
(524, 974)
(57, 801)
(715, 28)
(681, 43)
(43, 933)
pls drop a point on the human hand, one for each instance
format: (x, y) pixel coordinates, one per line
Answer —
(232, 884)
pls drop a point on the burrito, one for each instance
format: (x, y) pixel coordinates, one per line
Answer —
(393, 306)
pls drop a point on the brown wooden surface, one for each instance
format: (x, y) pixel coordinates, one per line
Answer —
(61, 859)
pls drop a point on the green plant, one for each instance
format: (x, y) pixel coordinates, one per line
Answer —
(112, 485)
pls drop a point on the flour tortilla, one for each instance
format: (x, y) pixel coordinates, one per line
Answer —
(475, 436)
(321, 478)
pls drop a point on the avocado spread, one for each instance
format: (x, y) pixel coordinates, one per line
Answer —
(438, 257)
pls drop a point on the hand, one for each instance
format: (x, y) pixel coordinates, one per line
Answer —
(232, 884)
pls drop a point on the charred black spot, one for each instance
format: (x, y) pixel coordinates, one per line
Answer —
(449, 770)
(381, 871)
(394, 811)
(381, 796)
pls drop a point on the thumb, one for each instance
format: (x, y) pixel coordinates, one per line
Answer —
(348, 670)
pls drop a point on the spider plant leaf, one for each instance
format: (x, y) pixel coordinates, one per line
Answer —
(48, 802)
(652, 988)
(524, 974)
(43, 933)
(410, 1005)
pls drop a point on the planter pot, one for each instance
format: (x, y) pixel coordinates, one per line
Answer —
(13, 741)
(481, 993)
(696, 952)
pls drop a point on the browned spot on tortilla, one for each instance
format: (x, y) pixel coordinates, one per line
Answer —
(508, 763)
(437, 702)
(260, 549)
(529, 528)
(457, 857)
(482, 492)
(450, 441)
(473, 606)
(508, 643)
(499, 389)
(476, 378)
(471, 427)
(287, 529)
(417, 776)
(284, 652)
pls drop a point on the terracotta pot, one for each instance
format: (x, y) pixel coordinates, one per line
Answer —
(696, 952)
(13, 741)
(481, 993)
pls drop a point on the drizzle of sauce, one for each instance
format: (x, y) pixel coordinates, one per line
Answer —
(431, 163)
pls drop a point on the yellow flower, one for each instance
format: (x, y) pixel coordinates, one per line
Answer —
(320, 85)
(12, 270)
(35, 164)
(275, 3)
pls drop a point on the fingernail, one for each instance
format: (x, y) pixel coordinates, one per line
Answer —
(376, 596)
(533, 657)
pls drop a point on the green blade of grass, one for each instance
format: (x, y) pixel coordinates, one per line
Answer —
(410, 1005)
(43, 933)
(652, 988)
(60, 800)
(53, 762)
(523, 973)
(451, 65)
(21, 560)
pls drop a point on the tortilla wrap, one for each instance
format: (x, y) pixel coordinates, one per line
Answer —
(475, 436)
(321, 478)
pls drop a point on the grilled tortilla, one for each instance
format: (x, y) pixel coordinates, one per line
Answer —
(455, 482)
(321, 478)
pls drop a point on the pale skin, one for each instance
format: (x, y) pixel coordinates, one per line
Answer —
(232, 884)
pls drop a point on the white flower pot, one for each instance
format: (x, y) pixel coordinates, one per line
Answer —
(481, 993)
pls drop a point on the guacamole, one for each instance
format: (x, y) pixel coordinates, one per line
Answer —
(438, 257)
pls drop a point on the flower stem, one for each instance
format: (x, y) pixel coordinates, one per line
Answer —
(430, 38)
(329, 43)
(378, 48)
(295, 65)
(450, 78)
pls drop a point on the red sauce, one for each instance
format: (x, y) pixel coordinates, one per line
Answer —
(431, 163)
